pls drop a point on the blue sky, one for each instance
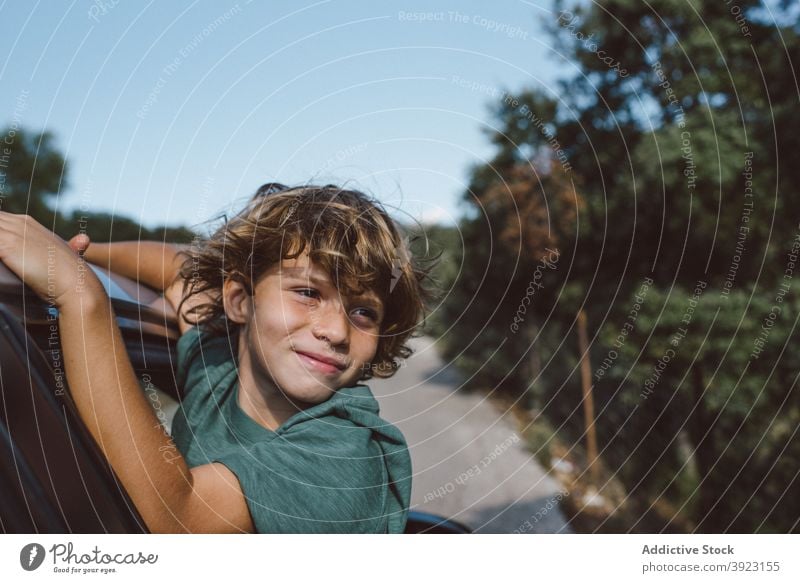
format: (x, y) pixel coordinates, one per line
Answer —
(172, 112)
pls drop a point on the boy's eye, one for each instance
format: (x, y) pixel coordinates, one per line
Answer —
(307, 292)
(367, 313)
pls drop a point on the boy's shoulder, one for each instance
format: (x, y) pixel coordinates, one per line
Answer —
(336, 455)
(200, 353)
(336, 467)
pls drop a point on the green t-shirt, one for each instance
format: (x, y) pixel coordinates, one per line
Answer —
(336, 467)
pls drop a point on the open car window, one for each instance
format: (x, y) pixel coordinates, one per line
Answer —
(53, 477)
(52, 474)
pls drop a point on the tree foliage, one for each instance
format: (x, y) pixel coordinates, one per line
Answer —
(666, 157)
(33, 175)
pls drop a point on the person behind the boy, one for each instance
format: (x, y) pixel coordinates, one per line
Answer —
(284, 312)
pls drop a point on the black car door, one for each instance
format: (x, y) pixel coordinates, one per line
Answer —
(53, 476)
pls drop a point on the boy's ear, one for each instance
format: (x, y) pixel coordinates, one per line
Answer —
(236, 301)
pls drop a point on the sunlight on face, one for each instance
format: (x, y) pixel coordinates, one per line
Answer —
(305, 336)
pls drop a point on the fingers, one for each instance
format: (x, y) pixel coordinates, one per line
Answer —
(79, 243)
(7, 218)
(13, 217)
(13, 223)
(19, 223)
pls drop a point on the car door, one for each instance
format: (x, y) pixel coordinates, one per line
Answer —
(53, 477)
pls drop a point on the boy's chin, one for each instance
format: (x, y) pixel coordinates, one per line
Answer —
(308, 396)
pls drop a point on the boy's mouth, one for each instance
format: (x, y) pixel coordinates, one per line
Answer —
(322, 363)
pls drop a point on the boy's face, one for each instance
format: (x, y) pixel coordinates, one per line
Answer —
(305, 336)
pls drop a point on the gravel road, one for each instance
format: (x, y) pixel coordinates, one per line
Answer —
(469, 462)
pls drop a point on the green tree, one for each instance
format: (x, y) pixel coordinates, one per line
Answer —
(32, 172)
(718, 376)
(678, 142)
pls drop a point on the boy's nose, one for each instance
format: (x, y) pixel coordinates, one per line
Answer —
(332, 325)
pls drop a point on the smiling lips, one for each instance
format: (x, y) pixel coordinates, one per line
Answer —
(322, 363)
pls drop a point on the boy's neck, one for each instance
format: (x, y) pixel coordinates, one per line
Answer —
(261, 400)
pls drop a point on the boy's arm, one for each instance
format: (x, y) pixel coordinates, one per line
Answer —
(154, 264)
(149, 262)
(169, 496)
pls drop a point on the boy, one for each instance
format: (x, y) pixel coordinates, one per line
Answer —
(282, 311)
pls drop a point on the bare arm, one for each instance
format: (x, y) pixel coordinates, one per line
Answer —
(154, 264)
(149, 262)
(169, 496)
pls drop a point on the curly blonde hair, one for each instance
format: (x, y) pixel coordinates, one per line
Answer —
(346, 232)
